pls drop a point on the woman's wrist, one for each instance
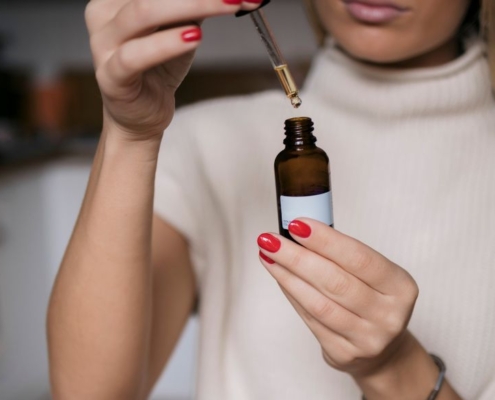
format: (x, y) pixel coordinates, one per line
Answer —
(117, 141)
(409, 373)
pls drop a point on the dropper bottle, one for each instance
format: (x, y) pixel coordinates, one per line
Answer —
(278, 61)
(302, 176)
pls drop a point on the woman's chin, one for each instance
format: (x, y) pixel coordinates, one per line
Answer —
(377, 51)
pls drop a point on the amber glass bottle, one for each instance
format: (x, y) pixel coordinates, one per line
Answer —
(302, 175)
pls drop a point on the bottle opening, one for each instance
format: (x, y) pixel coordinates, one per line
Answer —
(298, 126)
(299, 132)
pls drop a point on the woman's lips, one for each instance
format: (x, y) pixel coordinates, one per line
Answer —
(373, 12)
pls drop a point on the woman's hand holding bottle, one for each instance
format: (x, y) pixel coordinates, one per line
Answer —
(142, 50)
(358, 304)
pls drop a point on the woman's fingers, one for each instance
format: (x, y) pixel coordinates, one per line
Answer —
(324, 275)
(100, 12)
(142, 50)
(337, 350)
(139, 17)
(355, 257)
(141, 54)
(315, 304)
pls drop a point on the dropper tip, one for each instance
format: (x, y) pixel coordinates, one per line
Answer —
(296, 101)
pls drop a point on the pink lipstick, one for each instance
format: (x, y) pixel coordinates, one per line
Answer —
(374, 11)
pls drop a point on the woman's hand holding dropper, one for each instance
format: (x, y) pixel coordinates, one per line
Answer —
(142, 50)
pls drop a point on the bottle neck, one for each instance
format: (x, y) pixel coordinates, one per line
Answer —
(299, 134)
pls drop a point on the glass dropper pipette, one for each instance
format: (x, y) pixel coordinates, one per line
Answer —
(279, 64)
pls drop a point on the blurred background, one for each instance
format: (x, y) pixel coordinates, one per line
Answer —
(50, 119)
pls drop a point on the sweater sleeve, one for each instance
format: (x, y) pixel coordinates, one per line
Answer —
(179, 184)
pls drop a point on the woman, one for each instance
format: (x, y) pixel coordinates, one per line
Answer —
(402, 104)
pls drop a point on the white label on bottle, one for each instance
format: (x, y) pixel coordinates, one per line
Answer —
(318, 207)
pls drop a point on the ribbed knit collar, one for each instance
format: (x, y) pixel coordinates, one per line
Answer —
(339, 81)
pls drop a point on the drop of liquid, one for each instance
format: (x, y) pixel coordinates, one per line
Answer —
(296, 101)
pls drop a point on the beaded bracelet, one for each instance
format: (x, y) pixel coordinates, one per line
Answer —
(441, 377)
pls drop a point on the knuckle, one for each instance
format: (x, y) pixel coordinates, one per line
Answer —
(345, 358)
(362, 260)
(409, 290)
(394, 325)
(339, 285)
(340, 358)
(296, 259)
(323, 308)
(375, 346)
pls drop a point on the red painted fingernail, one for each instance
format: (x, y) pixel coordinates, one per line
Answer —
(300, 229)
(192, 35)
(269, 243)
(266, 258)
(232, 1)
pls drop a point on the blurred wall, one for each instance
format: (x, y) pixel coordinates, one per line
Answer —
(24, 288)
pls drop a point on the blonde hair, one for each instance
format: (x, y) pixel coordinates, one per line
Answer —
(486, 19)
(315, 22)
(488, 31)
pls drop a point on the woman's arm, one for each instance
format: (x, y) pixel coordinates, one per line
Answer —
(116, 310)
(99, 321)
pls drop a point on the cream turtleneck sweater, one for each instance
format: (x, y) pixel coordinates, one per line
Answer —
(413, 171)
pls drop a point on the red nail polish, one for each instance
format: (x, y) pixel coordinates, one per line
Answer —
(232, 1)
(300, 229)
(269, 243)
(192, 35)
(266, 258)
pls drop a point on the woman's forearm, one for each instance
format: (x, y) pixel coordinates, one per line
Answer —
(100, 311)
(410, 374)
